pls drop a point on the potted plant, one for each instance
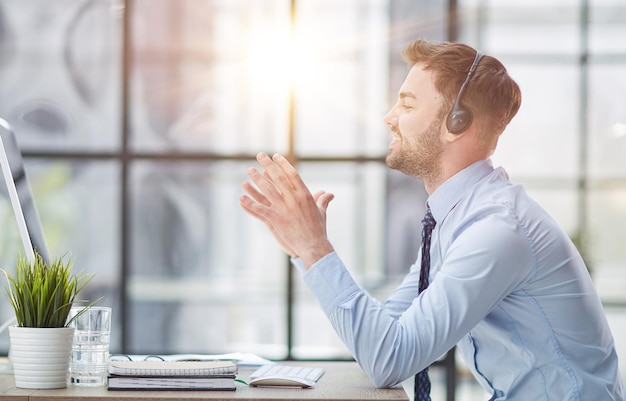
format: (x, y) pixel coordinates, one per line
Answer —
(41, 295)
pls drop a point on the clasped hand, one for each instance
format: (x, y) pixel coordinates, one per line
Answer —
(281, 200)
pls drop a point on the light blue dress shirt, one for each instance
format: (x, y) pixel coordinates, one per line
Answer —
(507, 286)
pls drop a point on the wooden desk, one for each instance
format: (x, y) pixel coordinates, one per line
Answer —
(342, 381)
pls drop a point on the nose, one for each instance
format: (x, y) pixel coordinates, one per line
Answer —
(390, 116)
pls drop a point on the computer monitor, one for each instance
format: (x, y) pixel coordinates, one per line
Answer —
(20, 194)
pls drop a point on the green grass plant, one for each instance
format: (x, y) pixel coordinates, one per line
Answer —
(42, 294)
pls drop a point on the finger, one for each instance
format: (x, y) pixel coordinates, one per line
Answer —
(317, 195)
(251, 207)
(265, 186)
(254, 194)
(322, 199)
(274, 174)
(290, 171)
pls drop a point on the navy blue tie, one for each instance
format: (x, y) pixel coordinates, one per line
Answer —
(422, 381)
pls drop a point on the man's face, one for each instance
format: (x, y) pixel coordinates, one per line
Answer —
(416, 121)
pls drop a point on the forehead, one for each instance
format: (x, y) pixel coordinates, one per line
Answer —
(419, 83)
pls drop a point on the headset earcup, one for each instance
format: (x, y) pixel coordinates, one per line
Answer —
(459, 120)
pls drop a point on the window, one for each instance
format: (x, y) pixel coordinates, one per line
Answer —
(141, 130)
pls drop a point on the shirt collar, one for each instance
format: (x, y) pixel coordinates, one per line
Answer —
(448, 194)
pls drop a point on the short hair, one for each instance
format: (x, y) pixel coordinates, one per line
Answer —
(491, 94)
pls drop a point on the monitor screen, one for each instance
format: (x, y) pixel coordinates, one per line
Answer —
(18, 191)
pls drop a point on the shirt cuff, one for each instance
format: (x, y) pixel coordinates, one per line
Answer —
(299, 265)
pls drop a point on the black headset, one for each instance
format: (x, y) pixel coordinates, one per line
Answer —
(461, 118)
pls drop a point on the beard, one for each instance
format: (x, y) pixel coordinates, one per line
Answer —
(419, 155)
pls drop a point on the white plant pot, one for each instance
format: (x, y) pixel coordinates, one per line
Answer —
(41, 356)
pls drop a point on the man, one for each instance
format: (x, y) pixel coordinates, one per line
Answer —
(506, 285)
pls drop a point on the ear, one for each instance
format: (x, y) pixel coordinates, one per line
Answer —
(449, 137)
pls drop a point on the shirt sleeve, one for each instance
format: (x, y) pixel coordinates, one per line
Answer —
(392, 341)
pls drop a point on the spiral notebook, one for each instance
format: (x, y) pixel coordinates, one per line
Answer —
(169, 368)
(170, 375)
(221, 382)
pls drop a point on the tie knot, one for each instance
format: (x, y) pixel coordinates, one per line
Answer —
(429, 221)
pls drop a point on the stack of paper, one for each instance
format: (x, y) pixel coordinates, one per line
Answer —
(167, 375)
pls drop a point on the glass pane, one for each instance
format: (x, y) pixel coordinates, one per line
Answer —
(10, 241)
(543, 139)
(607, 120)
(607, 213)
(204, 76)
(607, 29)
(78, 203)
(533, 27)
(205, 276)
(60, 73)
(406, 206)
(341, 90)
(470, 24)
(10, 248)
(560, 199)
(617, 321)
(356, 228)
(79, 207)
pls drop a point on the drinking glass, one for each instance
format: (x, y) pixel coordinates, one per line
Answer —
(90, 348)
